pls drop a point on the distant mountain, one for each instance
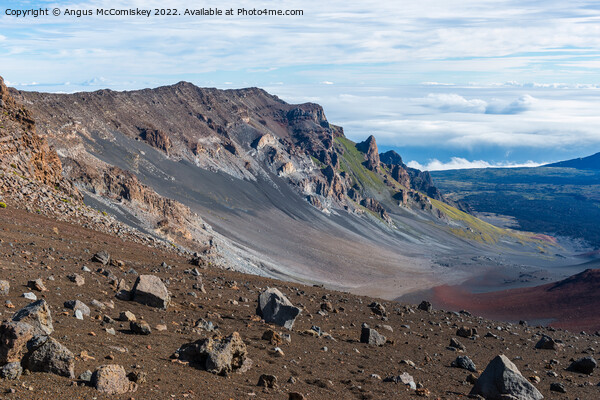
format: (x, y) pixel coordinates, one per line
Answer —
(552, 200)
(587, 163)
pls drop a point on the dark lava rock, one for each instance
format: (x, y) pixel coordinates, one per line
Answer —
(558, 387)
(584, 365)
(425, 306)
(464, 362)
(269, 381)
(140, 327)
(547, 343)
(52, 357)
(466, 332)
(378, 309)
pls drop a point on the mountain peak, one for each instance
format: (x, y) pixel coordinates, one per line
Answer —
(586, 163)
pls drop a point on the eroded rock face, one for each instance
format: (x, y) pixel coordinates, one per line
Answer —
(14, 336)
(219, 356)
(36, 314)
(151, 291)
(21, 146)
(274, 307)
(52, 357)
(502, 378)
(111, 379)
(369, 147)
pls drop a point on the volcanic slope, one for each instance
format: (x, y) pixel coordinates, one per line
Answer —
(571, 303)
(284, 192)
(333, 365)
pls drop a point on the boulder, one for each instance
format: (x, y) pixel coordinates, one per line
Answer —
(425, 306)
(466, 332)
(269, 381)
(456, 344)
(36, 314)
(547, 343)
(78, 305)
(584, 365)
(13, 340)
(219, 356)
(11, 371)
(502, 379)
(37, 284)
(4, 288)
(77, 279)
(102, 257)
(140, 327)
(111, 379)
(378, 308)
(51, 356)
(151, 291)
(274, 307)
(371, 336)
(405, 379)
(464, 362)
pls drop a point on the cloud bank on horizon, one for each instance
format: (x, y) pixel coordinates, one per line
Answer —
(504, 82)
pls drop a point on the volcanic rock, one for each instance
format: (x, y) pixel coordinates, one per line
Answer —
(558, 387)
(502, 378)
(464, 362)
(369, 147)
(372, 337)
(269, 381)
(151, 291)
(274, 307)
(78, 305)
(455, 344)
(219, 356)
(425, 306)
(36, 314)
(4, 288)
(77, 279)
(584, 365)
(547, 343)
(13, 340)
(11, 371)
(51, 357)
(102, 257)
(111, 379)
(37, 284)
(140, 327)
(466, 332)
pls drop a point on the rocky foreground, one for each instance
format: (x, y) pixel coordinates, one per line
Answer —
(88, 315)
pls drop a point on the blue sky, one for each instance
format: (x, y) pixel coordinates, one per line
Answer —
(445, 83)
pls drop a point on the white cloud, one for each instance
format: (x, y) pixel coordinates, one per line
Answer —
(455, 103)
(462, 163)
(327, 83)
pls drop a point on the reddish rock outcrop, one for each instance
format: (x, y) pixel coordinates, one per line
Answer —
(21, 148)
